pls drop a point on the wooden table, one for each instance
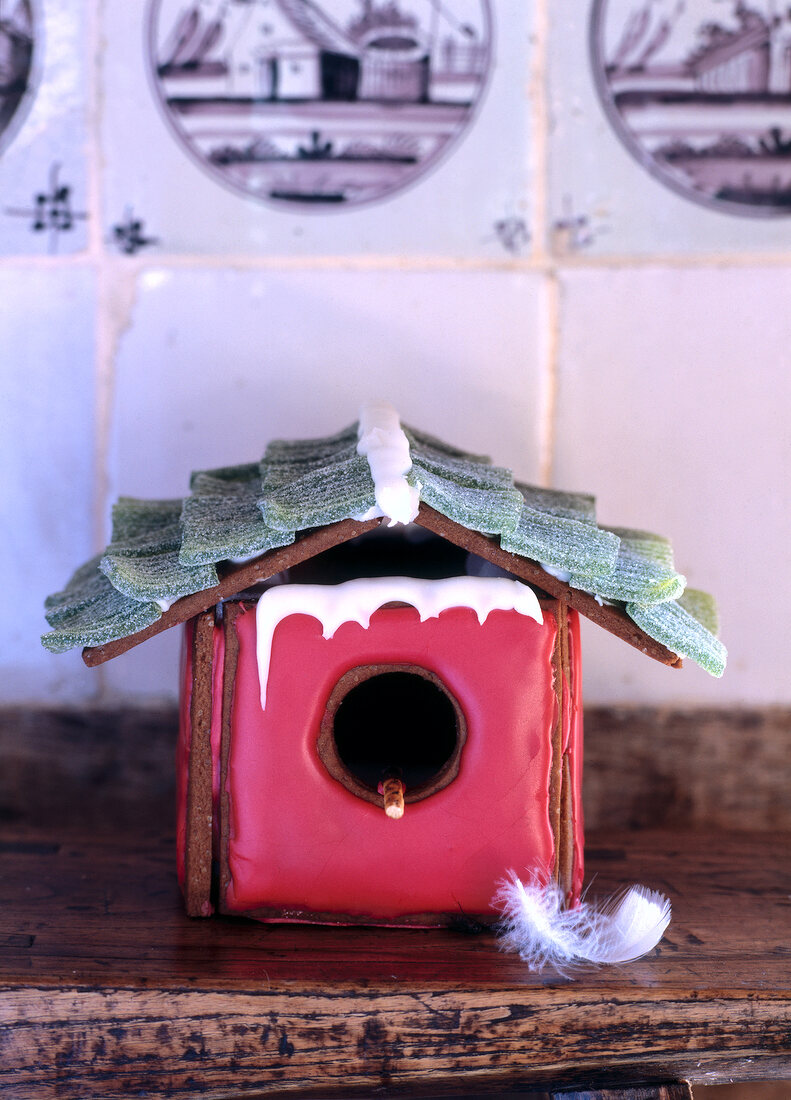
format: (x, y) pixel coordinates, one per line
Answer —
(108, 990)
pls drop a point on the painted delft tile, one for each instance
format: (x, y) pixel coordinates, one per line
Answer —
(305, 126)
(47, 456)
(672, 126)
(43, 176)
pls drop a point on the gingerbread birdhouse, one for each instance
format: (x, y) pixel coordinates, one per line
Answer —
(380, 698)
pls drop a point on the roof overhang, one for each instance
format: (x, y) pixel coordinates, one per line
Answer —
(237, 578)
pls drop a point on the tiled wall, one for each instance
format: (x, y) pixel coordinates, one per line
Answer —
(543, 291)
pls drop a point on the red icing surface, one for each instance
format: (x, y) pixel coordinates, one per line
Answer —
(299, 839)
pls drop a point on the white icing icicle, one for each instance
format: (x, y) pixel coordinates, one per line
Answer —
(384, 444)
(561, 574)
(355, 601)
(535, 925)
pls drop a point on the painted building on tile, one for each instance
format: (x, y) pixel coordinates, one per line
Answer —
(755, 58)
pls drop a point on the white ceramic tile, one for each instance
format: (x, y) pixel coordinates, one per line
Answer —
(674, 404)
(306, 175)
(217, 363)
(613, 188)
(43, 167)
(46, 455)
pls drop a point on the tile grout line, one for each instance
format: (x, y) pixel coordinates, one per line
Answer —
(97, 262)
(542, 254)
(549, 407)
(546, 264)
(539, 135)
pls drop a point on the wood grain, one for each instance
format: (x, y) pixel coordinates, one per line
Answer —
(107, 988)
(650, 766)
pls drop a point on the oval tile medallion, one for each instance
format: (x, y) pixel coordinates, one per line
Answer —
(312, 105)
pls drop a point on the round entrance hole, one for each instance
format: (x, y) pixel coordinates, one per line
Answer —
(399, 720)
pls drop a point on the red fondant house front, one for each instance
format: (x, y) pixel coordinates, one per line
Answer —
(380, 705)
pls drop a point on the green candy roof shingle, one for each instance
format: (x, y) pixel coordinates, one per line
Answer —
(427, 442)
(163, 549)
(644, 544)
(246, 471)
(468, 470)
(555, 502)
(314, 482)
(492, 511)
(465, 487)
(701, 606)
(643, 571)
(143, 526)
(563, 543)
(317, 496)
(82, 590)
(673, 626)
(142, 560)
(222, 519)
(311, 452)
(90, 611)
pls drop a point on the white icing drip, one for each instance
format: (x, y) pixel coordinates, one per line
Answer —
(164, 604)
(561, 574)
(355, 601)
(374, 512)
(382, 441)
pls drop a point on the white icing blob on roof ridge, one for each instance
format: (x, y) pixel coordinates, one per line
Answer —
(383, 442)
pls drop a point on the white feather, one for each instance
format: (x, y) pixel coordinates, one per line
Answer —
(536, 926)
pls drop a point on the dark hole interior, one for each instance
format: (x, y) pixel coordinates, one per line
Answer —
(395, 722)
(387, 552)
(382, 553)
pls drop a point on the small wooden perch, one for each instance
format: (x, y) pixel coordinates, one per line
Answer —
(393, 795)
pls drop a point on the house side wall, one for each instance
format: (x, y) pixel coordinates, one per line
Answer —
(199, 783)
(183, 750)
(231, 613)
